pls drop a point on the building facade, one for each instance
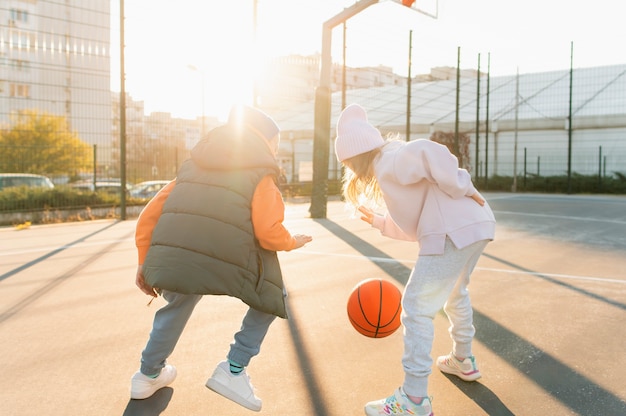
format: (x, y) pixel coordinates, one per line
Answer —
(55, 59)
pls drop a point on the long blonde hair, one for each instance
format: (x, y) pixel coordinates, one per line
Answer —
(359, 179)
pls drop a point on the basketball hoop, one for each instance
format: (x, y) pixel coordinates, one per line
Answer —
(429, 8)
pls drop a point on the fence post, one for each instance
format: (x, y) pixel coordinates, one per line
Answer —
(408, 91)
(569, 121)
(487, 121)
(477, 118)
(525, 171)
(600, 169)
(458, 92)
(95, 158)
(538, 165)
(123, 118)
(516, 128)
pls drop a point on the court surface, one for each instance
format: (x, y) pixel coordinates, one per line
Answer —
(549, 296)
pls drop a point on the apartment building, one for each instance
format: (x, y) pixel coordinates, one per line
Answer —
(54, 58)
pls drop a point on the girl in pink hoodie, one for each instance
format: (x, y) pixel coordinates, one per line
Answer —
(428, 199)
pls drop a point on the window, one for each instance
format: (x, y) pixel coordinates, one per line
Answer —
(19, 15)
(19, 90)
(19, 65)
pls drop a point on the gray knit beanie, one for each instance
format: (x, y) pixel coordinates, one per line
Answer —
(355, 135)
(255, 119)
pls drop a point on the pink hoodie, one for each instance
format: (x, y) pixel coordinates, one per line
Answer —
(428, 197)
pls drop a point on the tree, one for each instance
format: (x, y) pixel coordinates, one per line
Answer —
(447, 139)
(42, 143)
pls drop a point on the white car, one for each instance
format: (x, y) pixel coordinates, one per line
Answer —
(107, 186)
(13, 180)
(148, 189)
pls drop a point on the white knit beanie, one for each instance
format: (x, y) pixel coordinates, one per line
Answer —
(355, 135)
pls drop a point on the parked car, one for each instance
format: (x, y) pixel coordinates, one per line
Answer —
(11, 180)
(148, 189)
(111, 187)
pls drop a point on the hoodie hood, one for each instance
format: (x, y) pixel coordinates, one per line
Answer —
(231, 147)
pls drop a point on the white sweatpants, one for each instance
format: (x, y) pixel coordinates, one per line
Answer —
(435, 282)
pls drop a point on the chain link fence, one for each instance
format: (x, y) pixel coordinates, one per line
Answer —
(555, 131)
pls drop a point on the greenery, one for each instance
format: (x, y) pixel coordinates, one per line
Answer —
(305, 188)
(43, 143)
(35, 199)
(585, 184)
(24, 200)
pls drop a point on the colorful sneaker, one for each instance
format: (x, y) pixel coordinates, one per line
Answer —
(399, 404)
(234, 387)
(142, 386)
(465, 370)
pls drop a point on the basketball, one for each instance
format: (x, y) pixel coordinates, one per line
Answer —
(374, 308)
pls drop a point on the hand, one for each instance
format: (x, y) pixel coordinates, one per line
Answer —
(140, 281)
(302, 239)
(368, 214)
(476, 197)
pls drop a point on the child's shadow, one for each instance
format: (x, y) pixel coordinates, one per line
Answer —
(482, 396)
(152, 406)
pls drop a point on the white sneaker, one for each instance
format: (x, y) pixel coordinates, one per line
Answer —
(465, 370)
(398, 404)
(234, 387)
(142, 386)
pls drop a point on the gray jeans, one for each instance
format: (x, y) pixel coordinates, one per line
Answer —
(436, 282)
(170, 320)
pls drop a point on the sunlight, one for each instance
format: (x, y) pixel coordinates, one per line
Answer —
(163, 38)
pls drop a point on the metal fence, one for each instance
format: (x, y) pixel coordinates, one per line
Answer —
(515, 122)
(59, 117)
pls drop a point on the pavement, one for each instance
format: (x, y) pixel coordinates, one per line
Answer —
(549, 298)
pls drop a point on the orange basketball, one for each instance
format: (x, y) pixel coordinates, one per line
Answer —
(374, 308)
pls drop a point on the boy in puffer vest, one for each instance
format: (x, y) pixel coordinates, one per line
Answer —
(215, 230)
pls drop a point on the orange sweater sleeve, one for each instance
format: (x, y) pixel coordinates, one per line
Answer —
(148, 219)
(268, 214)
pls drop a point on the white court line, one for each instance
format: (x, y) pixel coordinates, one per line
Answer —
(488, 269)
(320, 253)
(556, 275)
(64, 247)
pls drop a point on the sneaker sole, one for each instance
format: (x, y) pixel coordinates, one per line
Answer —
(463, 376)
(374, 412)
(143, 395)
(151, 390)
(224, 391)
(368, 413)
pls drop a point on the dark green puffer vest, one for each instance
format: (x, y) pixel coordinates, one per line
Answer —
(204, 241)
